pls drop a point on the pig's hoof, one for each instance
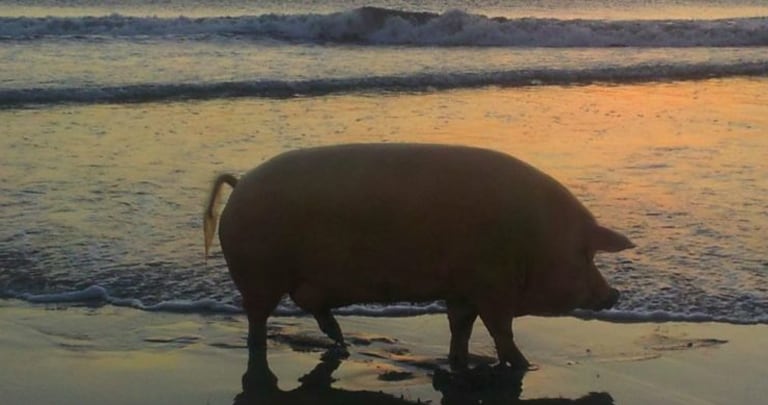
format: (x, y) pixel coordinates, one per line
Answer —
(337, 352)
(457, 362)
(259, 381)
(520, 365)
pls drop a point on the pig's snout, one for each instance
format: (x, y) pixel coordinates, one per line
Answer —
(610, 301)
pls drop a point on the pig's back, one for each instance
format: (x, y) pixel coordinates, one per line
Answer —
(377, 212)
(395, 172)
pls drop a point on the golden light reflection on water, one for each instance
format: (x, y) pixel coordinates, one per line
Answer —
(569, 132)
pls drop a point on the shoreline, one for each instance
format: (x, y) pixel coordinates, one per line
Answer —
(80, 355)
(97, 296)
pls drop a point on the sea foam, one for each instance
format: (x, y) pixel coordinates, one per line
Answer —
(98, 295)
(378, 26)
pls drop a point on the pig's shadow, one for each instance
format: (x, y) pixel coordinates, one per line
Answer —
(481, 385)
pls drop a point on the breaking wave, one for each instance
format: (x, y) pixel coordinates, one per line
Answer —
(406, 83)
(378, 26)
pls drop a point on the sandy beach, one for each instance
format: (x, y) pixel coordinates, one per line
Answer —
(80, 355)
(115, 117)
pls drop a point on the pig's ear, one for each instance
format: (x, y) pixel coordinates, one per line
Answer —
(605, 240)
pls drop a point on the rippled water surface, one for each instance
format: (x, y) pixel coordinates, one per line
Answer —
(115, 116)
(111, 195)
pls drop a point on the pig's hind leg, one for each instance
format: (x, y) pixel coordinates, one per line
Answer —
(310, 300)
(330, 327)
(461, 317)
(258, 306)
(498, 321)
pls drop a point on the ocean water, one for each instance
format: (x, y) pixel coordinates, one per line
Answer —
(116, 115)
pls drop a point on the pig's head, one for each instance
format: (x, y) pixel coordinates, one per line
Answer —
(568, 278)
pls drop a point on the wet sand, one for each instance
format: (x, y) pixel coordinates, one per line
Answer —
(81, 355)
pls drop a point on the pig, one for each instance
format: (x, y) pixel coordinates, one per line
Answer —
(486, 233)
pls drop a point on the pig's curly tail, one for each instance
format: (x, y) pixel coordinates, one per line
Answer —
(211, 214)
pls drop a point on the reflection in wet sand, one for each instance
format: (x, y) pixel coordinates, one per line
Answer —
(481, 385)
